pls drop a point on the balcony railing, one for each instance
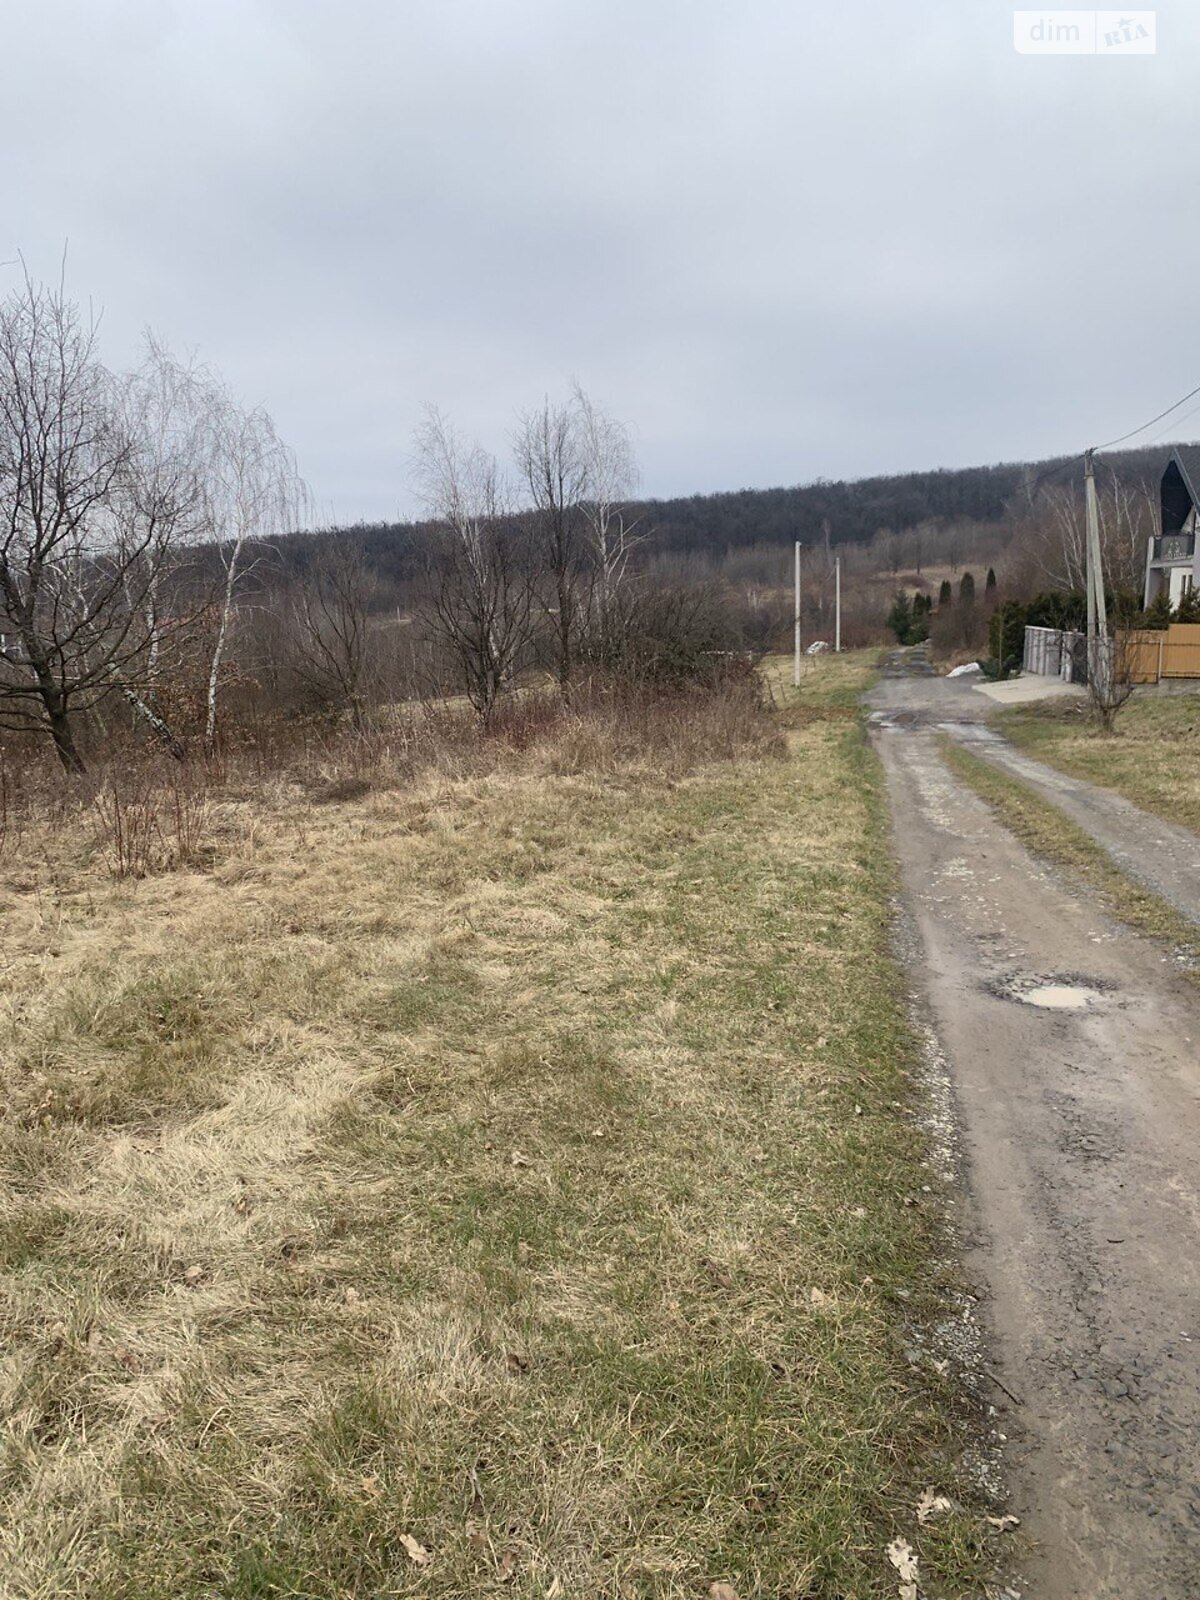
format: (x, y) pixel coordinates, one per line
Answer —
(1175, 547)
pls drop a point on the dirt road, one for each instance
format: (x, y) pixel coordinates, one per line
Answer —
(1080, 1120)
(1158, 854)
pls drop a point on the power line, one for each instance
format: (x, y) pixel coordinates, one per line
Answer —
(1187, 415)
(1135, 431)
(1064, 465)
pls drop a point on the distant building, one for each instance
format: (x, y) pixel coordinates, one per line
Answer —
(1173, 561)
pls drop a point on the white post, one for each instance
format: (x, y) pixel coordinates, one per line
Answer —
(1098, 661)
(796, 673)
(837, 604)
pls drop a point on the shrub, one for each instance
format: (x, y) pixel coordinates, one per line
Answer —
(1006, 631)
(1158, 613)
(900, 616)
(672, 638)
(909, 619)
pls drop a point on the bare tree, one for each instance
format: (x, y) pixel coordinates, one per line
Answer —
(165, 491)
(255, 493)
(1051, 534)
(85, 529)
(1128, 517)
(553, 464)
(1111, 683)
(480, 584)
(609, 477)
(887, 549)
(331, 640)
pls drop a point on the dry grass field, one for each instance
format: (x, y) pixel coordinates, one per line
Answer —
(1154, 758)
(503, 1180)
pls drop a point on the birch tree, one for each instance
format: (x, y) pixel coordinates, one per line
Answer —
(84, 534)
(1051, 532)
(480, 585)
(553, 465)
(609, 477)
(254, 494)
(164, 493)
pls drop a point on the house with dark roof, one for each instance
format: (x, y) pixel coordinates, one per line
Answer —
(1173, 560)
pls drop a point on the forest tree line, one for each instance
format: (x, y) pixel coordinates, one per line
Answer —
(155, 581)
(154, 588)
(827, 512)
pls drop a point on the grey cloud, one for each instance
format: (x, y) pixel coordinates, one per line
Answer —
(782, 240)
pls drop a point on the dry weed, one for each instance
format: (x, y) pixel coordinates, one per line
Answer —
(434, 1192)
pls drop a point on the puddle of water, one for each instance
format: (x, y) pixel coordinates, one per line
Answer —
(970, 732)
(1060, 997)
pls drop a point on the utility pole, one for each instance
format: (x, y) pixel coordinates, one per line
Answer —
(1097, 642)
(796, 671)
(837, 604)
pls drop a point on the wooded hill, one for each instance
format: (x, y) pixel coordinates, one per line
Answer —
(856, 509)
(853, 510)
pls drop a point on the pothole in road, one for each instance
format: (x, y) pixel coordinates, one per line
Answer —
(1052, 992)
(1060, 997)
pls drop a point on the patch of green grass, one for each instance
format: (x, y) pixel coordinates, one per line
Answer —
(828, 682)
(1153, 758)
(1055, 837)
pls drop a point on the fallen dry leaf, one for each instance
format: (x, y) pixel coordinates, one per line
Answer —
(508, 1565)
(818, 1297)
(370, 1486)
(717, 1272)
(520, 1159)
(515, 1361)
(929, 1505)
(415, 1550)
(193, 1276)
(722, 1591)
(351, 1296)
(1003, 1524)
(900, 1554)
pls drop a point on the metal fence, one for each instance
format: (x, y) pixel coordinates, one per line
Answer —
(1056, 653)
(1148, 655)
(1043, 652)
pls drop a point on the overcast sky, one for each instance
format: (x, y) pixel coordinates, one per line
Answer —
(781, 240)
